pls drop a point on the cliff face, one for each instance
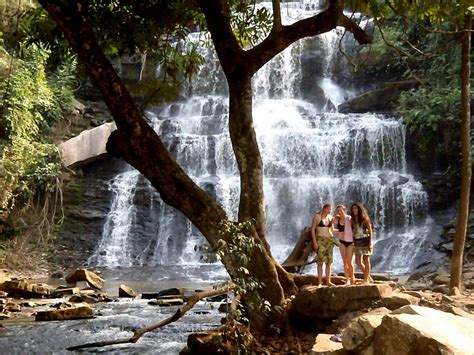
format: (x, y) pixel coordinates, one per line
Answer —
(86, 205)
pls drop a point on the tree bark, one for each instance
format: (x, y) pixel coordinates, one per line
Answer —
(466, 169)
(134, 140)
(139, 145)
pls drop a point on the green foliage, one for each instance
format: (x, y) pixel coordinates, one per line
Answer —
(240, 250)
(33, 102)
(250, 24)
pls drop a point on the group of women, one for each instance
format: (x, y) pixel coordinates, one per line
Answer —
(352, 232)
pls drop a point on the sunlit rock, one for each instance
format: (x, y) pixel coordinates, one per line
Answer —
(359, 333)
(422, 330)
(22, 288)
(87, 146)
(313, 304)
(167, 302)
(85, 275)
(324, 346)
(125, 291)
(78, 312)
(398, 300)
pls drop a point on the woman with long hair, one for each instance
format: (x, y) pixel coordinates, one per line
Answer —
(362, 230)
(323, 242)
(343, 229)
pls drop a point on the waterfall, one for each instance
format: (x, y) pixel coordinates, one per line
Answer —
(312, 154)
(114, 248)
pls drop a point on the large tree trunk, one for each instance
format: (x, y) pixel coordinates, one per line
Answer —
(140, 146)
(466, 169)
(137, 143)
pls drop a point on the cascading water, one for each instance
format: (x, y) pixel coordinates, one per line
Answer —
(311, 155)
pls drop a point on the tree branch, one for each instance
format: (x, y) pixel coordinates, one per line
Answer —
(323, 22)
(276, 15)
(217, 14)
(137, 334)
(134, 140)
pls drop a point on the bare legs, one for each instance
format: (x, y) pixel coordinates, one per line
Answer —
(328, 274)
(346, 255)
(363, 262)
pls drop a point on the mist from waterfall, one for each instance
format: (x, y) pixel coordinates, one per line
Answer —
(312, 154)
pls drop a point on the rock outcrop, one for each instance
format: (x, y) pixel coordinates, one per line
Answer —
(90, 277)
(87, 146)
(422, 330)
(315, 304)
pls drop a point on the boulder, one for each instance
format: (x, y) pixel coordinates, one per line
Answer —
(441, 280)
(359, 333)
(12, 307)
(416, 329)
(78, 312)
(82, 297)
(87, 146)
(397, 300)
(90, 277)
(125, 291)
(62, 291)
(171, 292)
(380, 100)
(314, 303)
(21, 288)
(167, 302)
(325, 346)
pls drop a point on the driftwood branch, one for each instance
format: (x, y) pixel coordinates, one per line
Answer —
(139, 332)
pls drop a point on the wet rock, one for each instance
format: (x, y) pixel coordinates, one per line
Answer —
(224, 307)
(125, 291)
(393, 179)
(149, 295)
(380, 100)
(218, 298)
(324, 345)
(90, 277)
(167, 302)
(4, 316)
(57, 275)
(78, 312)
(171, 292)
(85, 298)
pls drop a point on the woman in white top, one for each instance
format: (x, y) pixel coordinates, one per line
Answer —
(343, 230)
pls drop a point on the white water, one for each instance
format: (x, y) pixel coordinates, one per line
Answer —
(311, 156)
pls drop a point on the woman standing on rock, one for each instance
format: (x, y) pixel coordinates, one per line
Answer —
(342, 225)
(323, 242)
(362, 230)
